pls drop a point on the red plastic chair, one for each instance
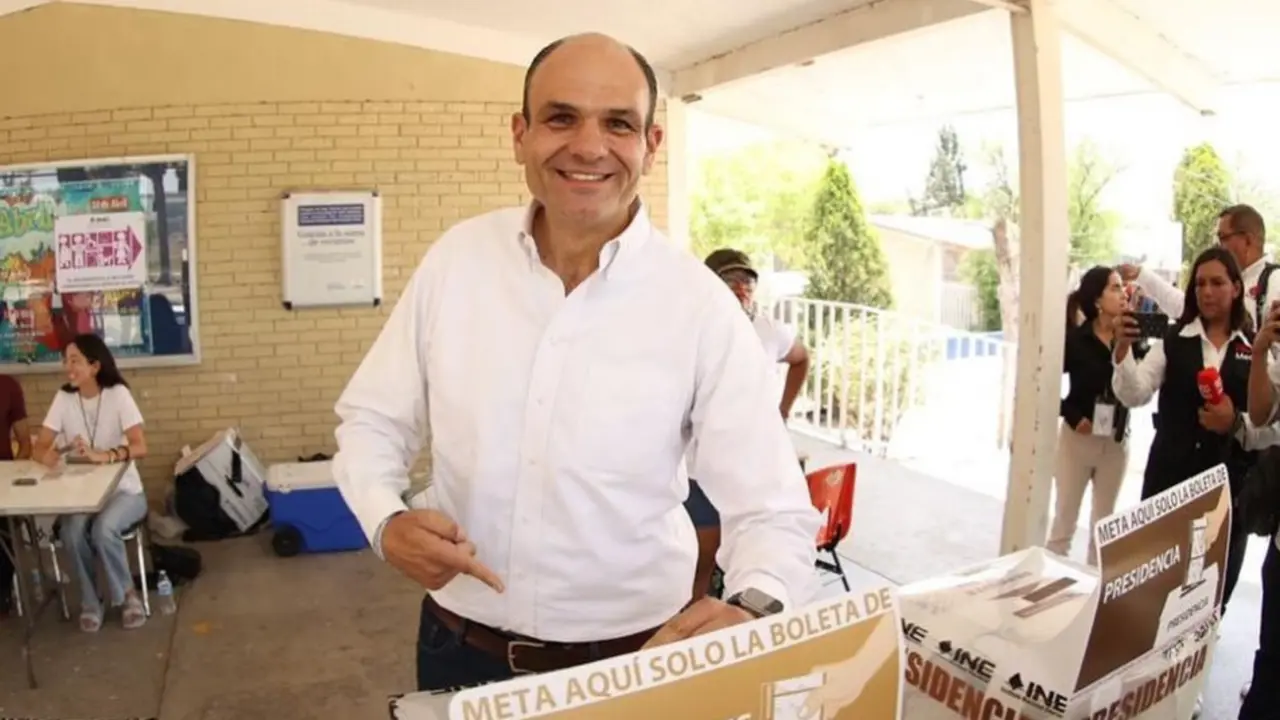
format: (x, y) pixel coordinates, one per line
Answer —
(831, 491)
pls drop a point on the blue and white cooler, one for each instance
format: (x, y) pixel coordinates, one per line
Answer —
(308, 512)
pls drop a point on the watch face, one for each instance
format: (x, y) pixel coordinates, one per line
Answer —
(759, 603)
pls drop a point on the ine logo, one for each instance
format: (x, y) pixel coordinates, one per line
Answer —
(1035, 694)
(969, 662)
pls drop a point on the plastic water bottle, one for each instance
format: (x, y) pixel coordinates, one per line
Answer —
(164, 593)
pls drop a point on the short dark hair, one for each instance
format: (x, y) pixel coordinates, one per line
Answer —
(1245, 219)
(650, 79)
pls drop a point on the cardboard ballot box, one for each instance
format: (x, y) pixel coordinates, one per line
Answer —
(838, 659)
(1033, 636)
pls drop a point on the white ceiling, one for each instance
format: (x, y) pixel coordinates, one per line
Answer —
(959, 67)
(671, 33)
(966, 66)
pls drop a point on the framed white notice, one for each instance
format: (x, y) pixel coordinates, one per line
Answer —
(331, 249)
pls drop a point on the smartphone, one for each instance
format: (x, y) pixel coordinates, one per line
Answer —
(24, 481)
(1151, 324)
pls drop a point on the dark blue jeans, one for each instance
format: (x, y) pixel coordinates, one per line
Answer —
(446, 663)
(1263, 701)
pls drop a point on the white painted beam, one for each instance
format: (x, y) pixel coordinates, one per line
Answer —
(1132, 42)
(863, 24)
(1042, 179)
(8, 7)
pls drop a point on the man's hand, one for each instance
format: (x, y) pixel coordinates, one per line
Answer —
(430, 548)
(1128, 272)
(1218, 417)
(1085, 426)
(705, 616)
(1270, 329)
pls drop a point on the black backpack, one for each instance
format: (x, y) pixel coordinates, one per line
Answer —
(199, 505)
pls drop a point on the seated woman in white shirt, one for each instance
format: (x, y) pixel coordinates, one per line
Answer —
(97, 413)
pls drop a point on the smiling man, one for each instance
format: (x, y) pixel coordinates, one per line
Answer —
(563, 356)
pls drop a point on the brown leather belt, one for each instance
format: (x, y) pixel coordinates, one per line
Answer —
(526, 655)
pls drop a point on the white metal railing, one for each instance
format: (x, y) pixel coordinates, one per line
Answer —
(961, 306)
(884, 382)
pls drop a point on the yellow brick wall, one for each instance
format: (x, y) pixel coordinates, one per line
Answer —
(271, 372)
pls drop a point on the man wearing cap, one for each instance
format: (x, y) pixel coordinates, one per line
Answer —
(781, 345)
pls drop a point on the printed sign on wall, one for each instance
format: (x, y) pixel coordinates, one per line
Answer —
(331, 249)
(101, 251)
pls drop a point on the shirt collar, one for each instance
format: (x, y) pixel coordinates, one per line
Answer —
(1196, 329)
(624, 245)
(1257, 265)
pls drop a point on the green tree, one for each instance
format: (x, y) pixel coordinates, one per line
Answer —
(1247, 187)
(944, 187)
(979, 269)
(846, 263)
(1093, 225)
(756, 199)
(1201, 190)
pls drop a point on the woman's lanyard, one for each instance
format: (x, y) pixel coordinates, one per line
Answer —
(93, 431)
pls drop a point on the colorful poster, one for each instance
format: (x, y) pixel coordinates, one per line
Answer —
(1033, 636)
(838, 659)
(96, 248)
(100, 252)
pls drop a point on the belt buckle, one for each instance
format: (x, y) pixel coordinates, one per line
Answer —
(512, 646)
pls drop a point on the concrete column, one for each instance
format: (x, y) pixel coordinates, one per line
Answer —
(679, 158)
(1044, 233)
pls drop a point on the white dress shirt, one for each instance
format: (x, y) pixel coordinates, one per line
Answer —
(1136, 382)
(558, 424)
(776, 337)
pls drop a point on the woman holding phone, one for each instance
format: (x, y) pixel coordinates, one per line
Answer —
(1194, 434)
(1092, 442)
(97, 412)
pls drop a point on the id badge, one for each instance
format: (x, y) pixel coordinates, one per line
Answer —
(1104, 419)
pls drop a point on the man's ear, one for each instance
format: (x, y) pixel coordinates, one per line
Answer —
(519, 126)
(653, 140)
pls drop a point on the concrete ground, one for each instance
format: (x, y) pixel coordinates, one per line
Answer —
(258, 636)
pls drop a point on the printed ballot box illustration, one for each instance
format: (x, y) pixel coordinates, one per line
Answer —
(1033, 636)
(838, 659)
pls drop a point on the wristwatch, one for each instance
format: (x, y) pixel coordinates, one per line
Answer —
(758, 603)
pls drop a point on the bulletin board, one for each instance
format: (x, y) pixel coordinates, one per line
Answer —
(100, 246)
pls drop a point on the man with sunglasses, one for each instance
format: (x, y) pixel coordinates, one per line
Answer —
(780, 345)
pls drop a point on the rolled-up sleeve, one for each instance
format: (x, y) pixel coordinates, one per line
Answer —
(747, 465)
(383, 411)
(1134, 382)
(1169, 297)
